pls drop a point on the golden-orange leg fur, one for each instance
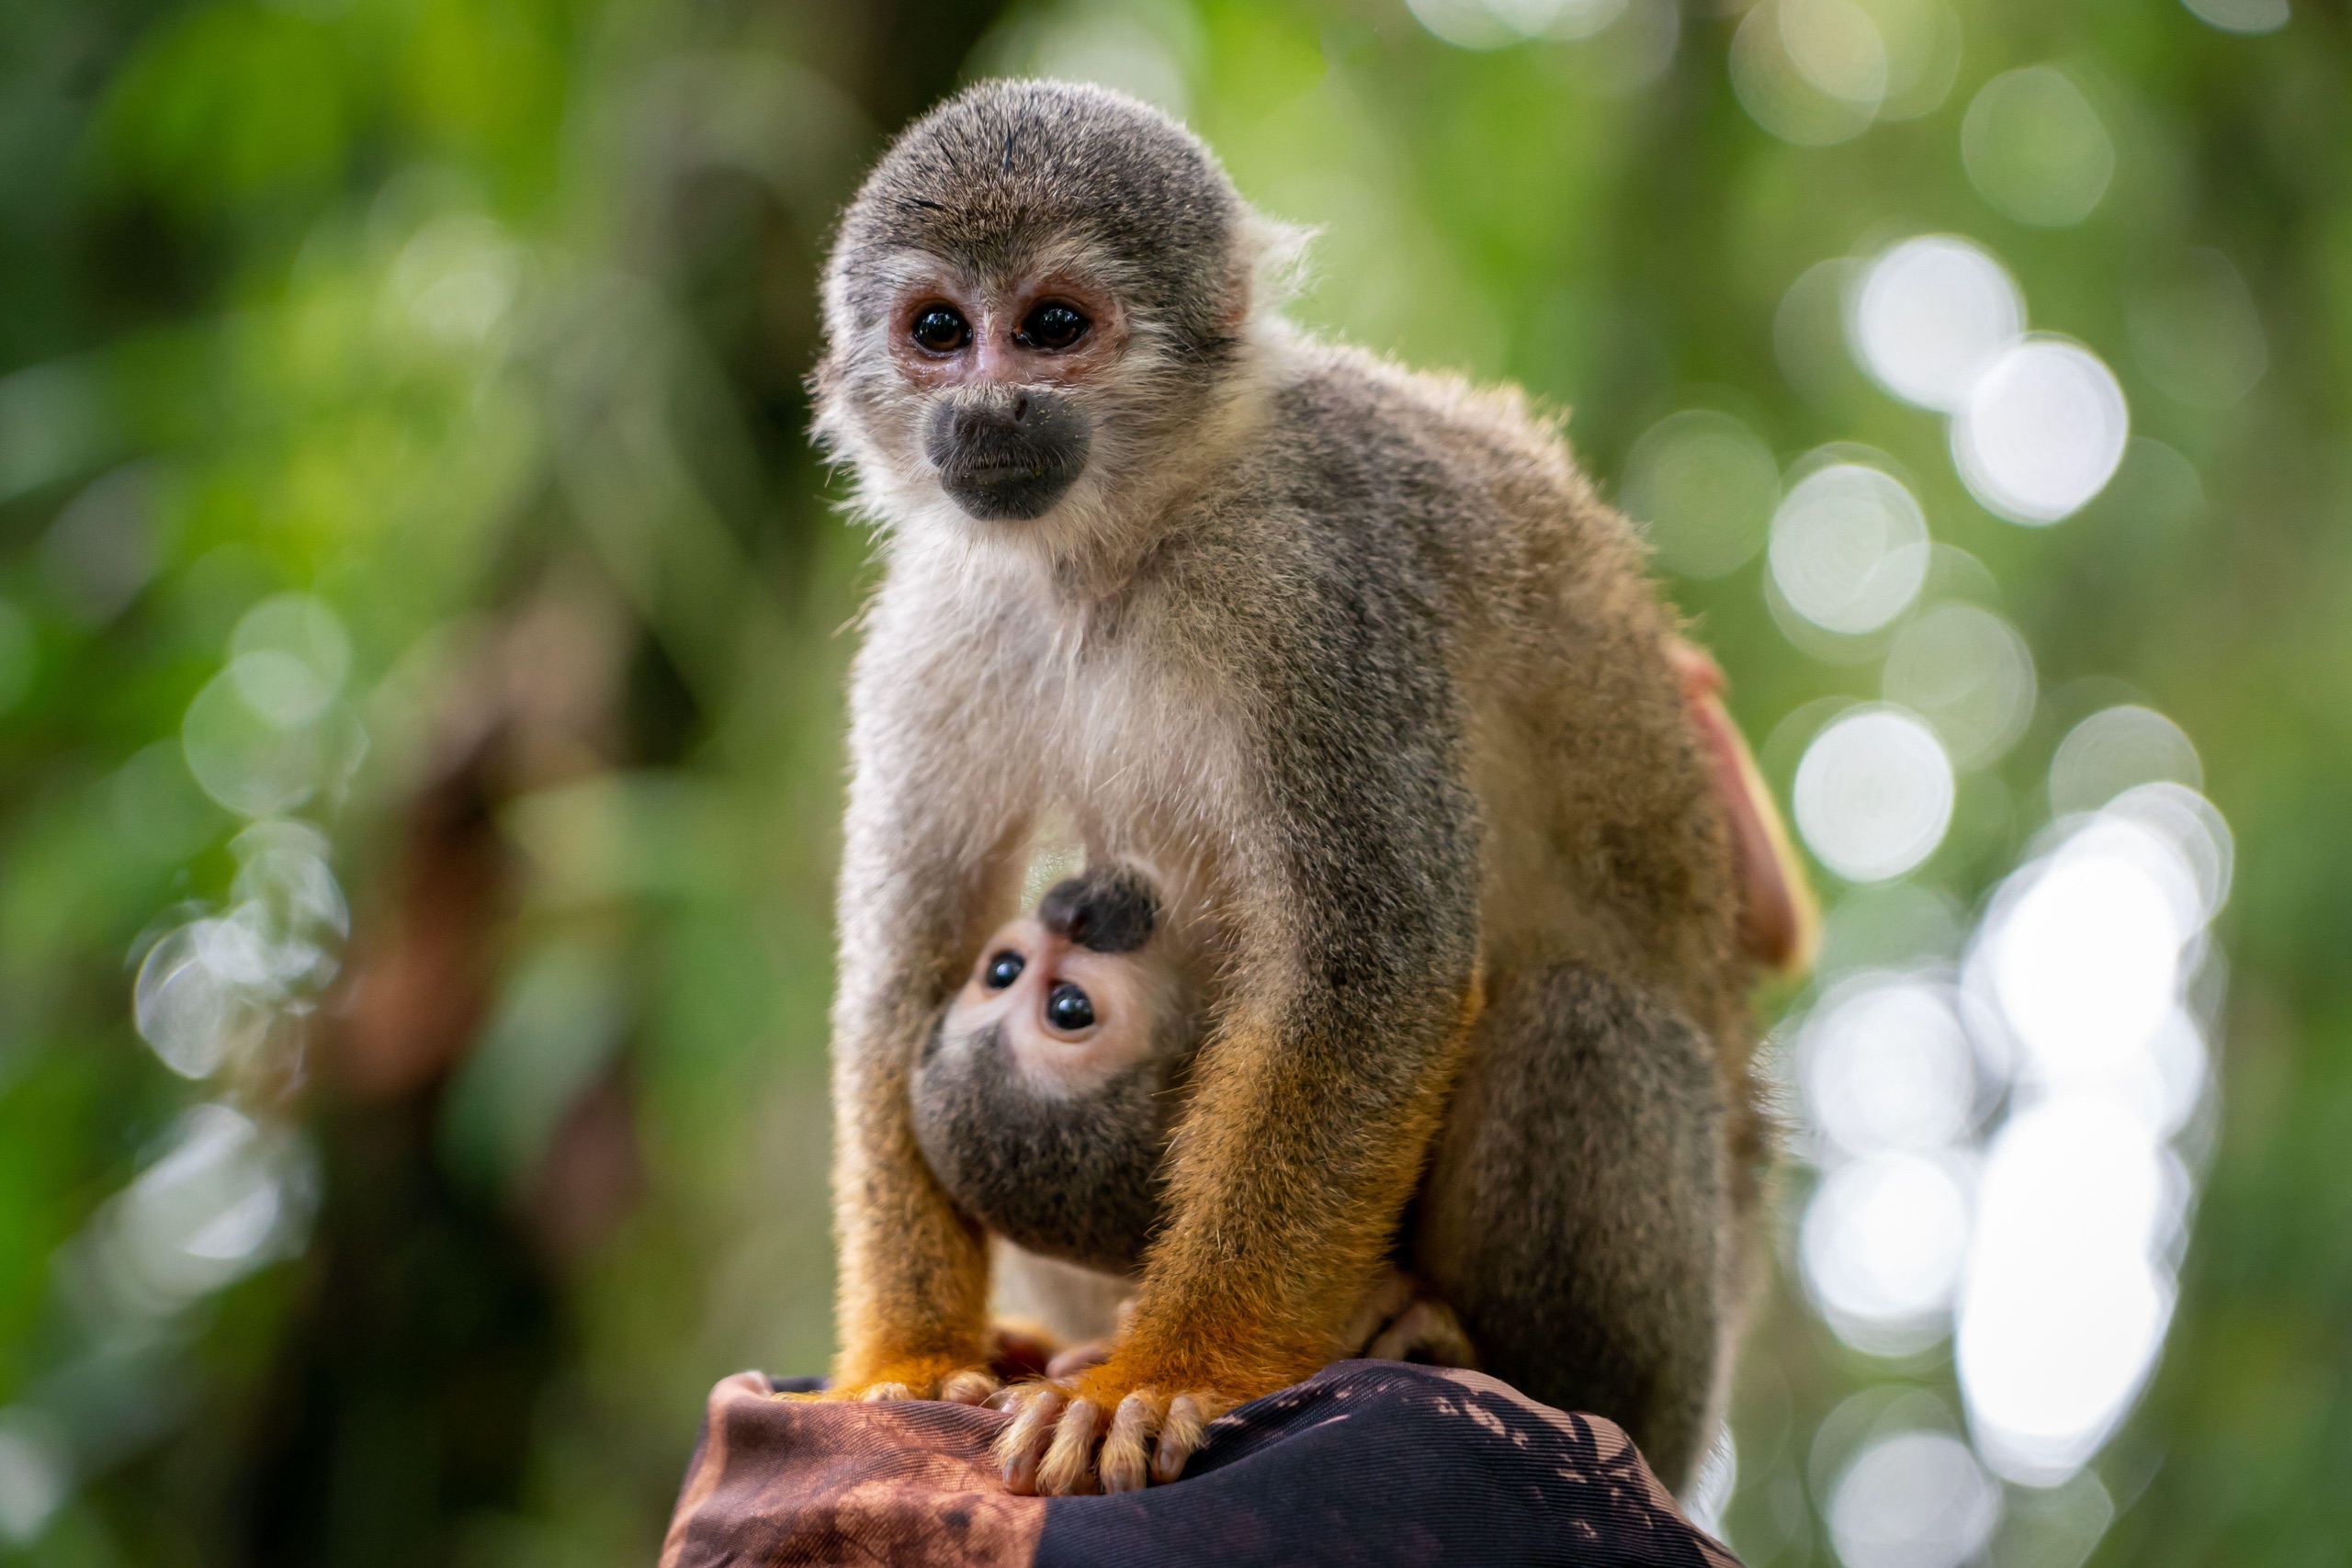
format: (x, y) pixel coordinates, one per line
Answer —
(1239, 1298)
(913, 1311)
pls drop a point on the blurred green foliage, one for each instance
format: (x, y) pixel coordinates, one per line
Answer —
(483, 321)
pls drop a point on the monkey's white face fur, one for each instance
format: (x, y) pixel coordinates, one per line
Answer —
(986, 356)
(1072, 1019)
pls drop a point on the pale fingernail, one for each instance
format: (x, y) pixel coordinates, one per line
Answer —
(1067, 1471)
(1125, 1465)
(1025, 1443)
(1179, 1435)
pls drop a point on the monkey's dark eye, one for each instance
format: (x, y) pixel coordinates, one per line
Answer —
(1004, 969)
(1068, 1009)
(942, 329)
(1051, 326)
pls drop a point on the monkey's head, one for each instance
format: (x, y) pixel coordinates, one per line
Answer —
(1043, 1099)
(1038, 284)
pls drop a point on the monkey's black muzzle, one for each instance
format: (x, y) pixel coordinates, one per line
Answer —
(1008, 457)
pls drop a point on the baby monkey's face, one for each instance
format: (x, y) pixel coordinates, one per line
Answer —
(1071, 1018)
(1042, 1102)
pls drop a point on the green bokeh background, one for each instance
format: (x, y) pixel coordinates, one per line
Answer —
(485, 320)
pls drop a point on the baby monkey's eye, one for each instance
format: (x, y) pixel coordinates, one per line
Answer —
(1004, 969)
(942, 329)
(1068, 1009)
(1052, 325)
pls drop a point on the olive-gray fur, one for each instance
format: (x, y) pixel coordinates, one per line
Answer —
(1076, 1177)
(1357, 661)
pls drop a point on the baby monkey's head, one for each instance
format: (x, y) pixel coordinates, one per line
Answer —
(1043, 1099)
(1038, 288)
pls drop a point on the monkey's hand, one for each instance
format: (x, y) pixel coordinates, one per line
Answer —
(1120, 1425)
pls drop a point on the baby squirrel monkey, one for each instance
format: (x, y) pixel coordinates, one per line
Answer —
(1045, 1100)
(1354, 660)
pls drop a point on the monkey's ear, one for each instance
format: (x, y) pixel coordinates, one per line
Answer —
(1270, 267)
(1779, 924)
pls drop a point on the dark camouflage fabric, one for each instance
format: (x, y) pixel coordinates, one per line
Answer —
(1368, 1463)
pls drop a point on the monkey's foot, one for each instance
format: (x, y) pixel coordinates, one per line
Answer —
(1017, 1349)
(952, 1379)
(1100, 1431)
(1399, 1321)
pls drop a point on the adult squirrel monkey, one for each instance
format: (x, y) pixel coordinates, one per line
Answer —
(1355, 662)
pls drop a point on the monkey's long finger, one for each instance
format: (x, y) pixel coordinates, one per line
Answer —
(1181, 1436)
(970, 1386)
(1024, 1443)
(1389, 1296)
(1125, 1465)
(1069, 1470)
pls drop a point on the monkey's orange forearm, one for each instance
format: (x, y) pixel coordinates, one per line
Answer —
(1283, 1204)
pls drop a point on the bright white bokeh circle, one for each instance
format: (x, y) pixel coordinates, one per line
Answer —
(2041, 431)
(1882, 1243)
(2086, 956)
(1874, 793)
(1929, 314)
(1913, 1500)
(1849, 547)
(1887, 1066)
(2064, 1307)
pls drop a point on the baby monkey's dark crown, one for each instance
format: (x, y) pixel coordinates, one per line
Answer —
(1109, 909)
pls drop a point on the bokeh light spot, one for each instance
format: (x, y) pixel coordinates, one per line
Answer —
(1873, 795)
(1913, 1500)
(2085, 952)
(1888, 1068)
(2036, 149)
(1922, 39)
(1810, 72)
(1849, 547)
(2042, 432)
(2063, 1310)
(2240, 16)
(1706, 486)
(2196, 333)
(1882, 1243)
(1496, 24)
(2116, 749)
(1929, 315)
(1836, 46)
(1969, 674)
